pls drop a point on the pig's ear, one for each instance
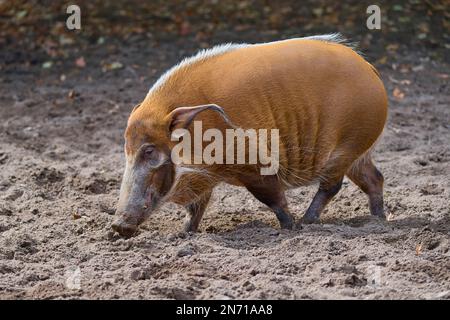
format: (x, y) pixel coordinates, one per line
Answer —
(135, 107)
(182, 117)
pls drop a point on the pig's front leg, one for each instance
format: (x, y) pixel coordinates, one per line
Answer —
(268, 190)
(195, 212)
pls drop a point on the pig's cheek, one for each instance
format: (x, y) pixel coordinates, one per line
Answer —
(148, 199)
(162, 181)
(155, 182)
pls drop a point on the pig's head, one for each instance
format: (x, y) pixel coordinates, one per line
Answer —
(150, 173)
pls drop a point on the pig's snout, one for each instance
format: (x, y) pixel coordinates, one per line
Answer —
(124, 227)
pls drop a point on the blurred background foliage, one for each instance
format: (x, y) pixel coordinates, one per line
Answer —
(41, 24)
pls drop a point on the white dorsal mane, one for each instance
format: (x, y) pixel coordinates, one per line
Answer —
(199, 56)
(227, 47)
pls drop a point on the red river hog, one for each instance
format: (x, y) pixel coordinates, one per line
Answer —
(324, 105)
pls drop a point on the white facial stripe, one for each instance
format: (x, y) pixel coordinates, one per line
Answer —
(125, 187)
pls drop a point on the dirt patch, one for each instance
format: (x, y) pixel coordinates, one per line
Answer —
(61, 164)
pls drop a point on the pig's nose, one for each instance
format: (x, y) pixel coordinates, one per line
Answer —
(124, 228)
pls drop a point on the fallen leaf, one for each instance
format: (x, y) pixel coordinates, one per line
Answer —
(404, 81)
(80, 62)
(112, 66)
(424, 27)
(76, 216)
(47, 65)
(116, 65)
(398, 94)
(405, 68)
(382, 60)
(393, 80)
(318, 11)
(419, 249)
(21, 14)
(63, 40)
(422, 36)
(392, 47)
(185, 28)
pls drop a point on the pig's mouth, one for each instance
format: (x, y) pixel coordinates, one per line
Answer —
(127, 223)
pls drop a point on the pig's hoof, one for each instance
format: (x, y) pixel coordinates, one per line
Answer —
(124, 229)
(309, 219)
(189, 227)
(381, 216)
(287, 224)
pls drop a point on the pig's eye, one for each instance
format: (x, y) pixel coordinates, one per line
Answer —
(148, 152)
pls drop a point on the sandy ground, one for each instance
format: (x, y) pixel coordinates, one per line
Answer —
(60, 168)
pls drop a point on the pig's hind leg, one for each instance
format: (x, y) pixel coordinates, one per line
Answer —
(367, 177)
(195, 212)
(323, 196)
